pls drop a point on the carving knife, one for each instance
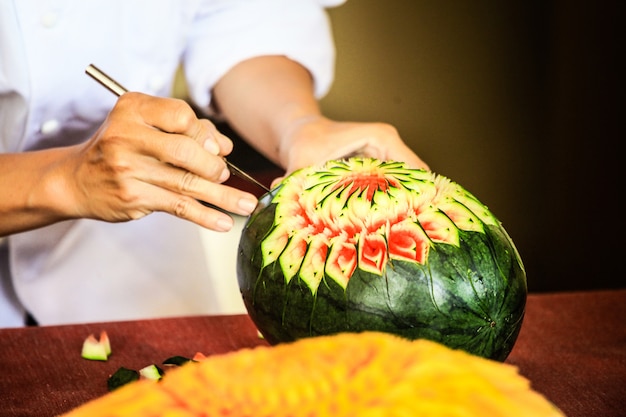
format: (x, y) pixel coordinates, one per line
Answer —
(117, 89)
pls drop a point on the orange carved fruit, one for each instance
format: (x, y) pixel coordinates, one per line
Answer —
(348, 374)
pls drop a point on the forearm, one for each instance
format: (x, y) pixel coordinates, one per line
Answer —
(270, 102)
(32, 190)
(263, 99)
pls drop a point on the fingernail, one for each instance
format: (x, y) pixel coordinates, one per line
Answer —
(225, 175)
(248, 205)
(211, 146)
(224, 224)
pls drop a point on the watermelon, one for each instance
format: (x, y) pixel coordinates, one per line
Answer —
(97, 349)
(361, 244)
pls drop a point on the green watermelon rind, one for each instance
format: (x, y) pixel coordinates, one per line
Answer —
(469, 296)
(478, 313)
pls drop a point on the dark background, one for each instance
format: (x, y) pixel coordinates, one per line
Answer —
(516, 101)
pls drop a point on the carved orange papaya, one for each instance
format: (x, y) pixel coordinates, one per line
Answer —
(348, 374)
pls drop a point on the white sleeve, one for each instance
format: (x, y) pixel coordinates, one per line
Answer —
(241, 29)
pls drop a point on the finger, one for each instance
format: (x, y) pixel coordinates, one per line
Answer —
(176, 116)
(183, 152)
(388, 147)
(216, 142)
(190, 209)
(206, 134)
(298, 159)
(189, 184)
(405, 154)
(166, 114)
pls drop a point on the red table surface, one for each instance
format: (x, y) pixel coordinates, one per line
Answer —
(572, 348)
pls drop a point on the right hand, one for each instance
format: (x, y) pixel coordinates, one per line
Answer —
(154, 154)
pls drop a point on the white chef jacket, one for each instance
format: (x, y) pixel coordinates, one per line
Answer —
(86, 270)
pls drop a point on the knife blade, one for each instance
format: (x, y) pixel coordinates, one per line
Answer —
(235, 170)
(117, 89)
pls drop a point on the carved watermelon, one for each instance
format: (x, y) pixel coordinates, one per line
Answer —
(366, 245)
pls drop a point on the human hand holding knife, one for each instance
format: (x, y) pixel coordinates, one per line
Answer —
(117, 89)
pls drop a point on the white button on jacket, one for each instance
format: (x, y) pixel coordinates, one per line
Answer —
(50, 127)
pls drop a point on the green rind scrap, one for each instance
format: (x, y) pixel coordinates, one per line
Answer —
(95, 350)
(122, 377)
(176, 360)
(151, 372)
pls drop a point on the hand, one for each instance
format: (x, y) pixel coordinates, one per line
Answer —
(318, 139)
(154, 154)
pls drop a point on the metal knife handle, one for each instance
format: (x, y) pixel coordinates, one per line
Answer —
(105, 80)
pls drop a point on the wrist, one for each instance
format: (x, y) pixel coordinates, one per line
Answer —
(35, 190)
(292, 129)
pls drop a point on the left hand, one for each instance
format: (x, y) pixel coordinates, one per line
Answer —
(318, 139)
